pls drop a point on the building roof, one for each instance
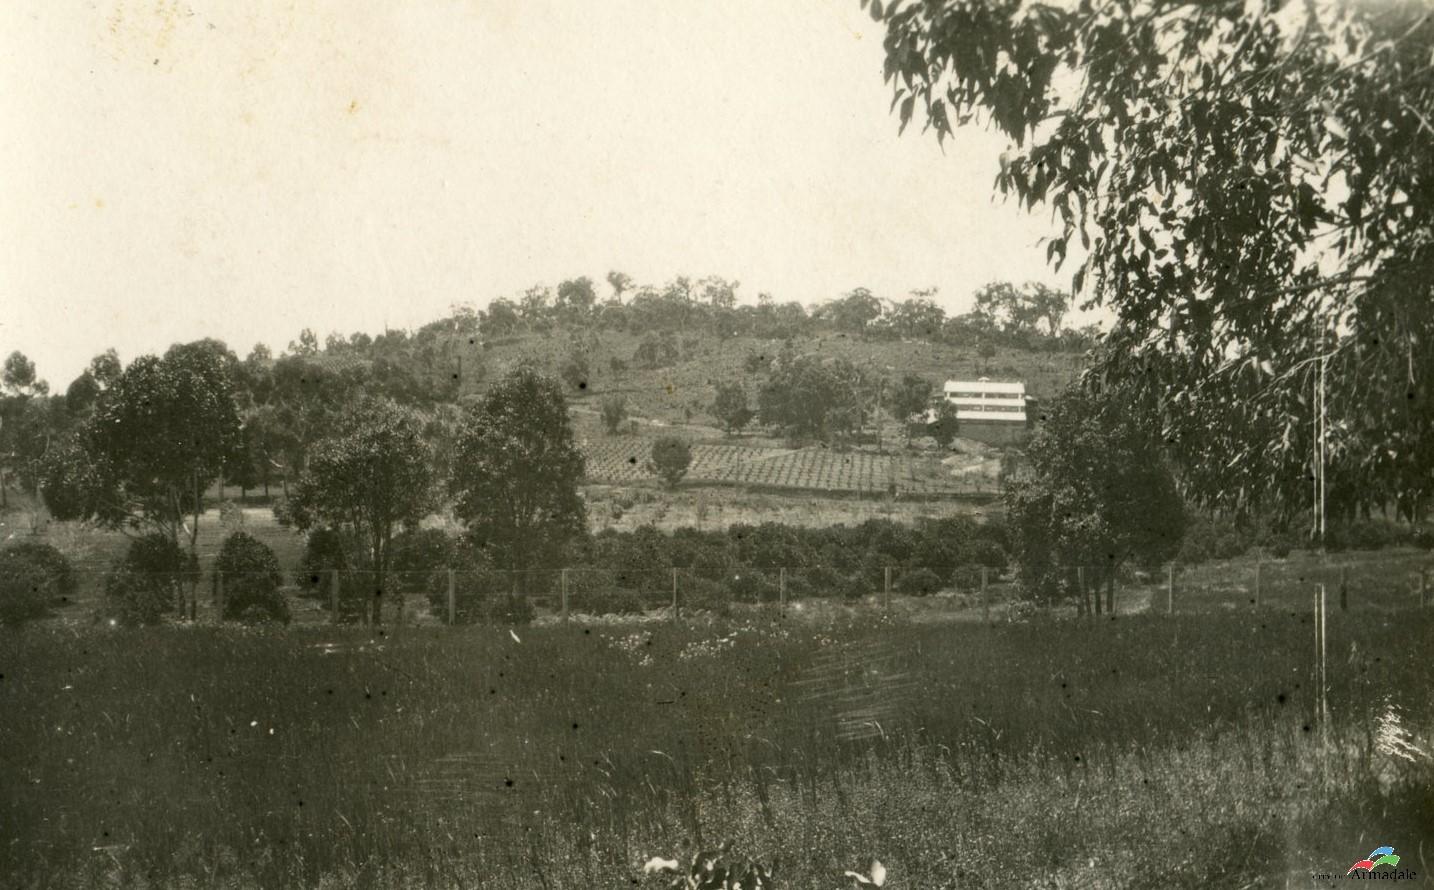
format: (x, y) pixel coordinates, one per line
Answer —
(1015, 388)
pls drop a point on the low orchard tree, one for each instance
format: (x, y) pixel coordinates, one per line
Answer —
(148, 582)
(59, 574)
(670, 460)
(368, 480)
(27, 587)
(252, 581)
(1098, 494)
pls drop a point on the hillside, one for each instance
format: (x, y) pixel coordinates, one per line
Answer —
(683, 393)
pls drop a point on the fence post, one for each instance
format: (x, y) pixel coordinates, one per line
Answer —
(886, 589)
(563, 578)
(1259, 564)
(782, 587)
(1423, 574)
(334, 595)
(1170, 589)
(1085, 603)
(452, 597)
(675, 608)
(985, 598)
(218, 596)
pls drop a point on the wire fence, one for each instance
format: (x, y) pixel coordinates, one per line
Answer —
(1377, 580)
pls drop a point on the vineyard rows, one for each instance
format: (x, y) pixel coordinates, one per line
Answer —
(810, 469)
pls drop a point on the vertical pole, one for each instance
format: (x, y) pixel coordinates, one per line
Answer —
(1170, 589)
(675, 607)
(564, 578)
(1080, 583)
(1423, 575)
(1323, 449)
(782, 586)
(334, 595)
(886, 589)
(218, 596)
(985, 598)
(1323, 667)
(1259, 564)
(452, 597)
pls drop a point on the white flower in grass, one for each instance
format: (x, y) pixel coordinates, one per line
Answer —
(875, 875)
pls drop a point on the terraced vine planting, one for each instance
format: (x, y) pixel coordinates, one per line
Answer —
(805, 469)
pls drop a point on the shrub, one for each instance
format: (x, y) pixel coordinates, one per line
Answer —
(145, 584)
(919, 582)
(819, 581)
(1422, 537)
(575, 371)
(857, 585)
(614, 412)
(704, 594)
(477, 588)
(325, 552)
(966, 577)
(25, 588)
(750, 585)
(419, 560)
(612, 601)
(987, 552)
(58, 572)
(134, 599)
(251, 581)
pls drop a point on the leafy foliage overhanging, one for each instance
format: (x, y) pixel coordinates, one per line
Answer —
(1249, 187)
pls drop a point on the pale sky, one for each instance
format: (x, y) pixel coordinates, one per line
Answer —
(244, 170)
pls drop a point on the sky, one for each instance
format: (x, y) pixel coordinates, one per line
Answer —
(177, 170)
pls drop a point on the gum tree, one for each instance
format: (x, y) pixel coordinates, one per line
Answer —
(369, 479)
(1248, 188)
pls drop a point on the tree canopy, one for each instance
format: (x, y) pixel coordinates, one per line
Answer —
(1247, 186)
(1098, 493)
(515, 478)
(158, 436)
(373, 475)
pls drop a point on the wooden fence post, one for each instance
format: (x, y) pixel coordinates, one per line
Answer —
(1085, 603)
(452, 597)
(985, 598)
(334, 595)
(218, 596)
(886, 588)
(563, 592)
(1170, 589)
(676, 613)
(782, 587)
(1259, 565)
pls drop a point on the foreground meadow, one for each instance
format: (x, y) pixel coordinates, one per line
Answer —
(1147, 751)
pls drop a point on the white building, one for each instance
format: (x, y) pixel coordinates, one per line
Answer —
(987, 400)
(992, 411)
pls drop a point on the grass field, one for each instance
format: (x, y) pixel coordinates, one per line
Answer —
(960, 755)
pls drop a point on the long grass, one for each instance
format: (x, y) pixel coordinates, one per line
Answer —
(1168, 752)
